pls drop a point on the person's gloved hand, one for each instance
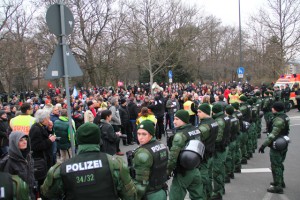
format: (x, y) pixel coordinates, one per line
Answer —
(261, 149)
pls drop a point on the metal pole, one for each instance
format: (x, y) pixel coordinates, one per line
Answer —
(63, 43)
(240, 33)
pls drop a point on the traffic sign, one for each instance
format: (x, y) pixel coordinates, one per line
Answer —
(54, 22)
(240, 70)
(170, 80)
(170, 74)
(240, 75)
(56, 67)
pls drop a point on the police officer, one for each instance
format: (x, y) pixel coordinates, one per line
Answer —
(277, 140)
(245, 110)
(13, 187)
(259, 103)
(150, 164)
(221, 151)
(184, 179)
(230, 158)
(238, 154)
(91, 174)
(209, 131)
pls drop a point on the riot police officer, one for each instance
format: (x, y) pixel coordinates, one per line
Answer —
(91, 174)
(184, 179)
(209, 131)
(230, 158)
(13, 187)
(277, 140)
(238, 155)
(246, 112)
(150, 164)
(221, 151)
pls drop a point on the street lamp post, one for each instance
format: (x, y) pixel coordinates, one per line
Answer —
(240, 34)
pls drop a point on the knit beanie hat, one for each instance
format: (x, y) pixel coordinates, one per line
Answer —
(205, 107)
(266, 93)
(147, 125)
(278, 106)
(257, 93)
(250, 102)
(235, 105)
(183, 115)
(243, 98)
(217, 108)
(229, 109)
(88, 133)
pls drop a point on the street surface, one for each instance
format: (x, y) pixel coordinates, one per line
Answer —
(254, 180)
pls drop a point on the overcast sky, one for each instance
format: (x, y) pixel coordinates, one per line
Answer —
(228, 10)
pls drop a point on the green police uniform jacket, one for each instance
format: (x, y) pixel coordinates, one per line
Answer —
(246, 111)
(13, 187)
(150, 165)
(90, 175)
(182, 136)
(280, 127)
(209, 132)
(223, 131)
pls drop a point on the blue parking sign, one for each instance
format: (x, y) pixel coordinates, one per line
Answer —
(240, 70)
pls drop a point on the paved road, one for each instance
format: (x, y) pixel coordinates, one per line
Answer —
(254, 180)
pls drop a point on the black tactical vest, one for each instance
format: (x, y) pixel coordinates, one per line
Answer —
(88, 176)
(6, 186)
(246, 114)
(254, 114)
(286, 129)
(158, 175)
(209, 143)
(226, 133)
(192, 133)
(234, 127)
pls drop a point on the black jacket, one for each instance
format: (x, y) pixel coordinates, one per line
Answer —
(20, 163)
(157, 108)
(109, 138)
(41, 145)
(124, 115)
(133, 110)
(3, 132)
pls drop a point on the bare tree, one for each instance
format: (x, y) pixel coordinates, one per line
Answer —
(281, 20)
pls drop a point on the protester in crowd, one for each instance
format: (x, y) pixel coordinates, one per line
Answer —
(24, 121)
(20, 161)
(116, 121)
(109, 138)
(172, 106)
(78, 116)
(42, 138)
(144, 115)
(133, 114)
(3, 133)
(62, 131)
(90, 113)
(157, 107)
(125, 123)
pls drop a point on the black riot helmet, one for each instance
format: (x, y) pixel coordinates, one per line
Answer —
(281, 143)
(192, 154)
